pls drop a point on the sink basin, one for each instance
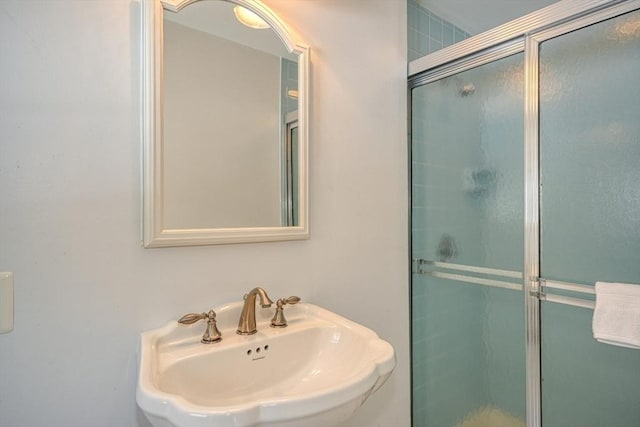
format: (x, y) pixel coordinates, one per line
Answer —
(316, 372)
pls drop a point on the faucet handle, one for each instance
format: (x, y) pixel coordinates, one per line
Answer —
(191, 318)
(291, 300)
(211, 334)
(279, 321)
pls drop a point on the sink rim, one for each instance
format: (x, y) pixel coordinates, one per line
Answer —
(176, 408)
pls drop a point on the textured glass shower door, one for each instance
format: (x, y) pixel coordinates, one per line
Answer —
(468, 344)
(589, 215)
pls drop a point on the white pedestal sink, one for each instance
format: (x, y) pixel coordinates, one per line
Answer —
(316, 372)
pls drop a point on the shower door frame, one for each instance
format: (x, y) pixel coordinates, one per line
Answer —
(521, 35)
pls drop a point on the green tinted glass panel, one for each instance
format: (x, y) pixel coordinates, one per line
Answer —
(590, 215)
(467, 197)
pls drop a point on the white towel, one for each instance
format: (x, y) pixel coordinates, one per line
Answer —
(616, 318)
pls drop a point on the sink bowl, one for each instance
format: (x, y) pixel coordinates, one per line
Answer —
(316, 372)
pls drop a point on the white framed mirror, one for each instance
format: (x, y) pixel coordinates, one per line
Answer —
(224, 125)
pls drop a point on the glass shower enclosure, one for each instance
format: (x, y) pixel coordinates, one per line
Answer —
(525, 191)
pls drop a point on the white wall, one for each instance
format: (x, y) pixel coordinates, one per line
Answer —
(70, 206)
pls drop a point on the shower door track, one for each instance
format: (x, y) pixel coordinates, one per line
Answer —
(521, 35)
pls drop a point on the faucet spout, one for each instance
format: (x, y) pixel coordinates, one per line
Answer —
(247, 322)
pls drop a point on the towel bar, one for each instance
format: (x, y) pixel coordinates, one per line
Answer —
(468, 274)
(546, 284)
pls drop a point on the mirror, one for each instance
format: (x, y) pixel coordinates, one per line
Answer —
(224, 125)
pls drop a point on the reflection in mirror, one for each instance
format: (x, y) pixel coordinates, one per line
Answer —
(228, 161)
(223, 119)
(291, 184)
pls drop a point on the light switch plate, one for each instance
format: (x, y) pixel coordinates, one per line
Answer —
(6, 302)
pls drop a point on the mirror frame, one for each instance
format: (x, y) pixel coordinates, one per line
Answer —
(154, 234)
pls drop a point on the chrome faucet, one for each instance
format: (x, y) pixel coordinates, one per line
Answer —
(247, 322)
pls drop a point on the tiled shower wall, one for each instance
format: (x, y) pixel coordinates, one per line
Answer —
(427, 32)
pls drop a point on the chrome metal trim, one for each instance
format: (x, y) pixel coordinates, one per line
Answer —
(589, 19)
(532, 235)
(535, 21)
(562, 299)
(576, 302)
(567, 286)
(409, 177)
(475, 280)
(476, 60)
(471, 268)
